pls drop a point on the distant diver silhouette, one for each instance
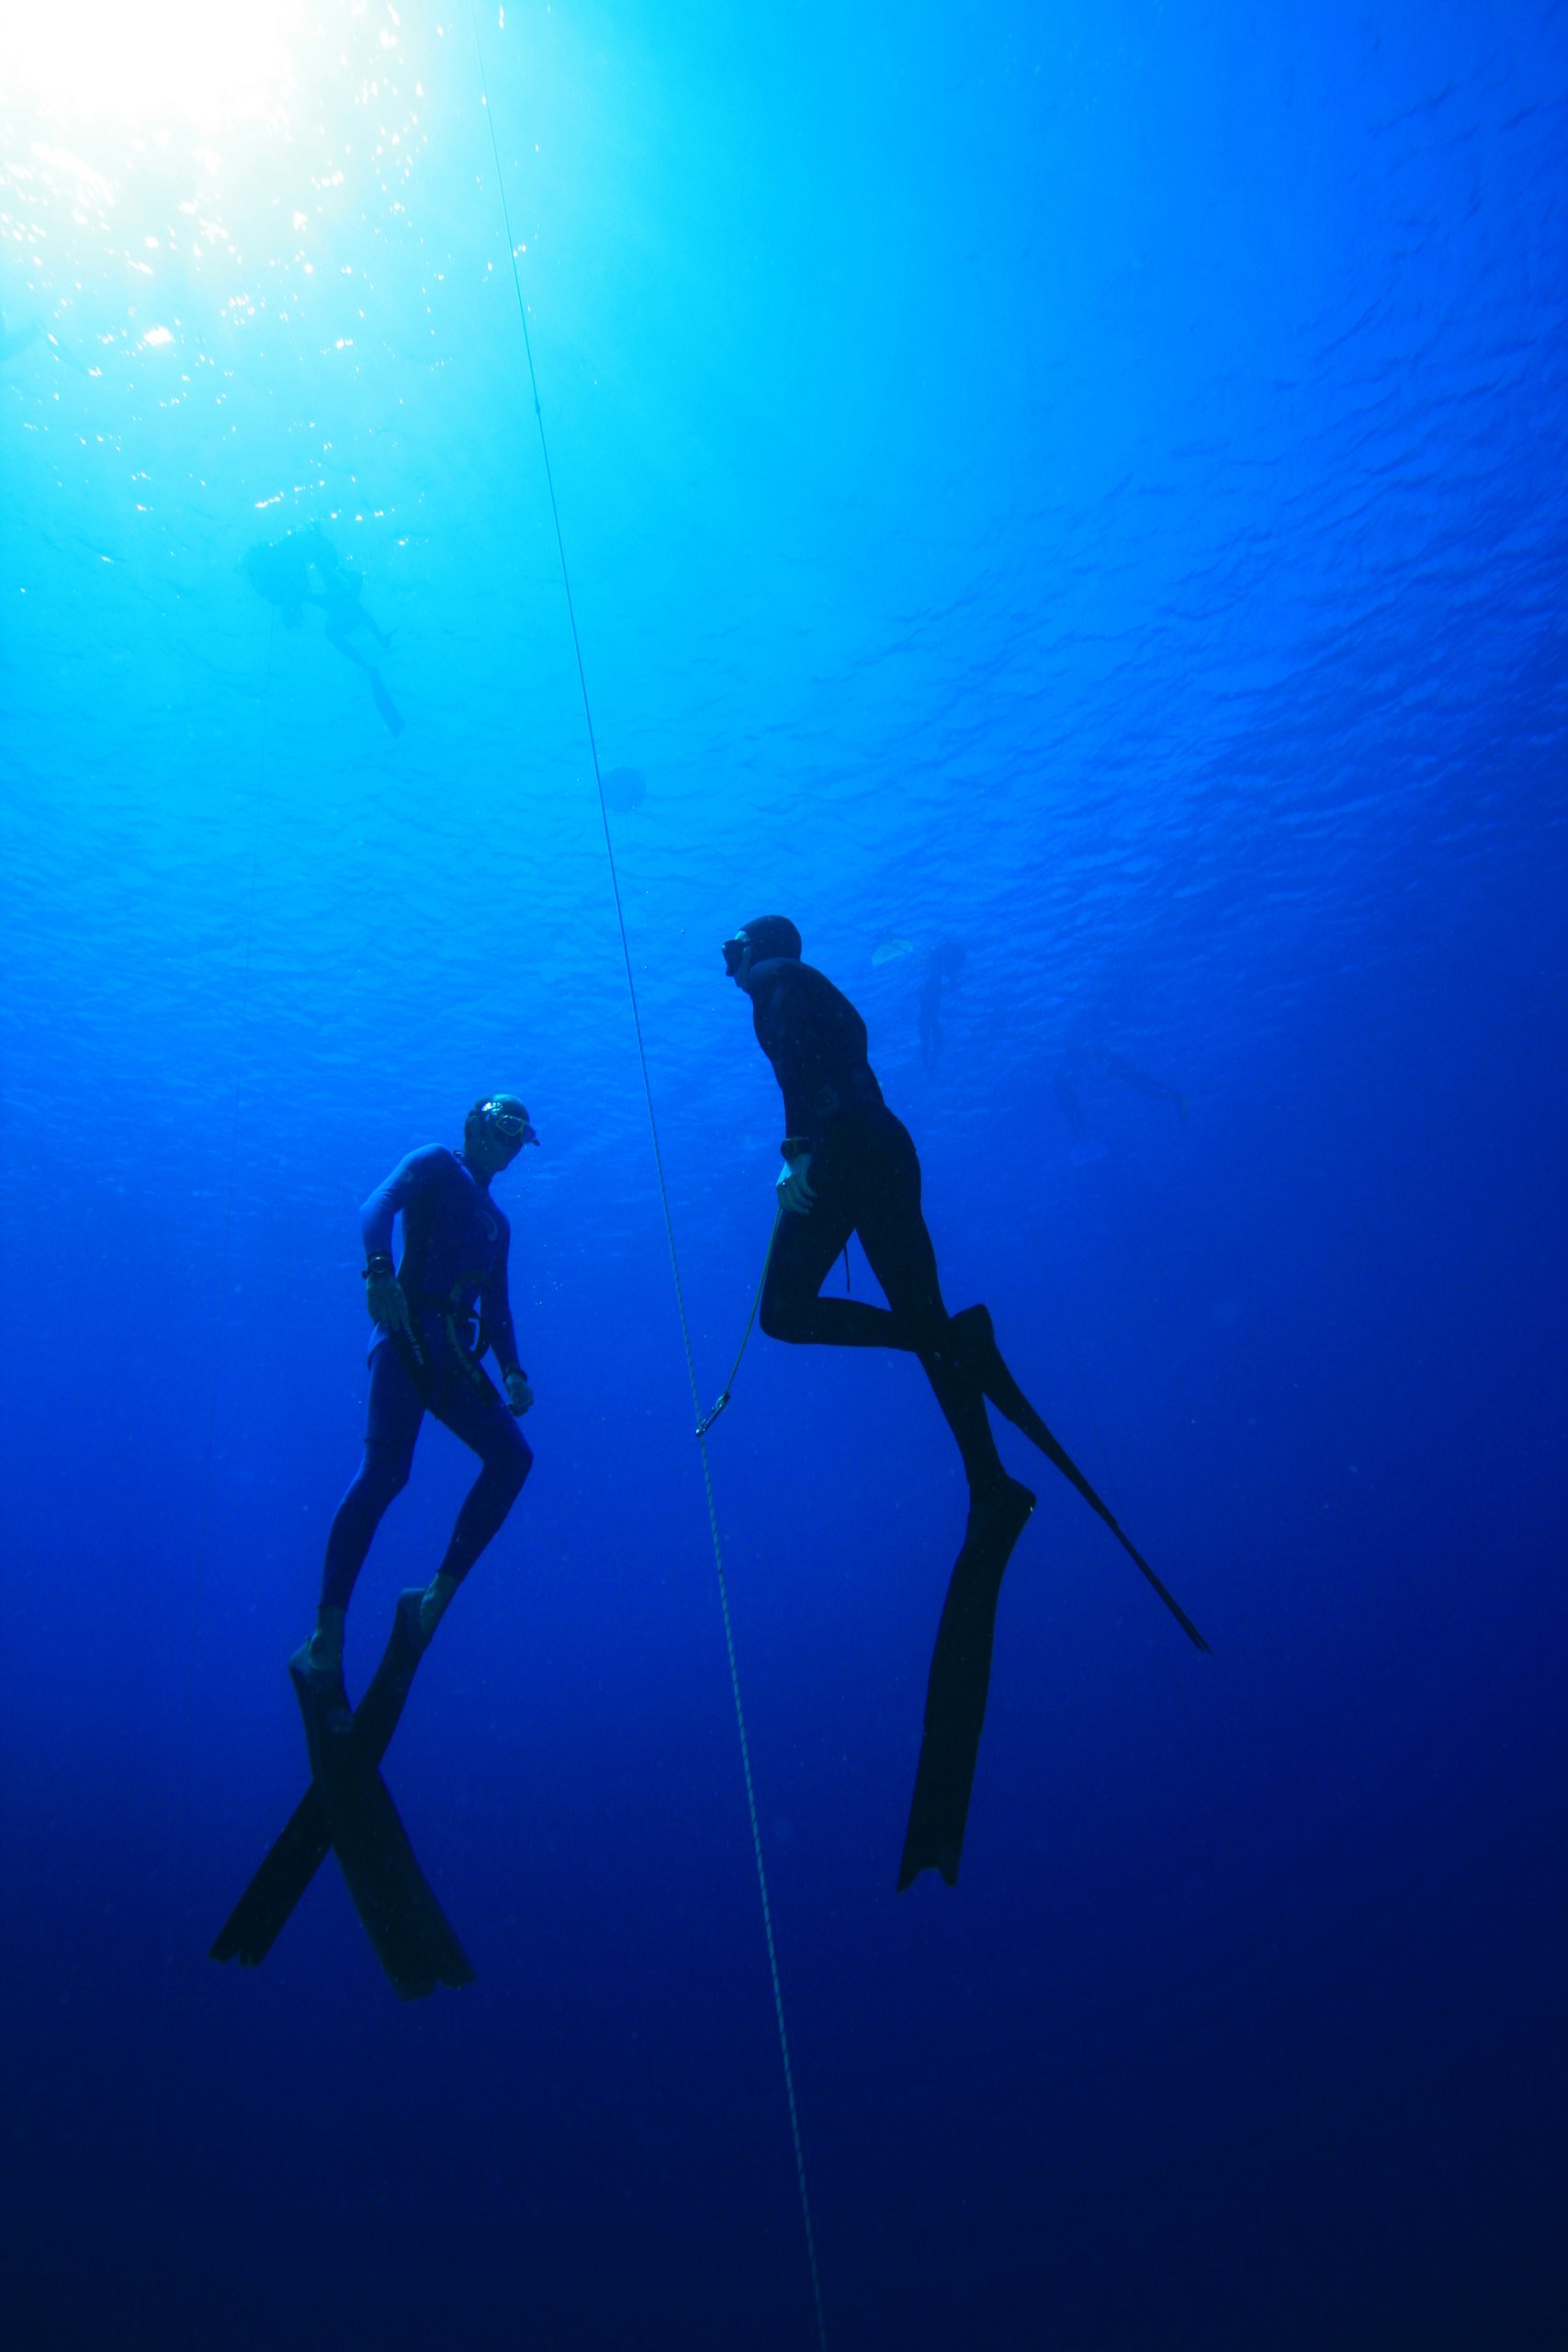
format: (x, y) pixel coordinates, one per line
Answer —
(852, 1167)
(1157, 1088)
(944, 967)
(1073, 1068)
(304, 568)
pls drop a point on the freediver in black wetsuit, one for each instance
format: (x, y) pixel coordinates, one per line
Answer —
(851, 1166)
(304, 568)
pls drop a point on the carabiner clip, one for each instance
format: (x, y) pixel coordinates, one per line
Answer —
(708, 1418)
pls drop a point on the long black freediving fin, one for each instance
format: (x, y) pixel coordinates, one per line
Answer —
(960, 1682)
(988, 1365)
(412, 1936)
(391, 716)
(302, 1845)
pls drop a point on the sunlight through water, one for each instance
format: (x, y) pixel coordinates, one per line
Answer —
(179, 176)
(186, 60)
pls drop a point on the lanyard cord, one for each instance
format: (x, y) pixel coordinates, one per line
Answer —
(714, 1411)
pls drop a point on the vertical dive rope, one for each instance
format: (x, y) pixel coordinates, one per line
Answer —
(668, 1222)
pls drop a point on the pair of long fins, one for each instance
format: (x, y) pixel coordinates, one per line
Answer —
(347, 1806)
(960, 1662)
(347, 1803)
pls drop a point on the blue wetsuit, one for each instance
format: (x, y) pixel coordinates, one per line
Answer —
(456, 1243)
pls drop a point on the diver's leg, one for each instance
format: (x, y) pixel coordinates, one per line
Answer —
(804, 1249)
(391, 716)
(349, 652)
(873, 1186)
(471, 1407)
(391, 1426)
(899, 1251)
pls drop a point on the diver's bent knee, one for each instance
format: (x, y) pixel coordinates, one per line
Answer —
(384, 1472)
(781, 1318)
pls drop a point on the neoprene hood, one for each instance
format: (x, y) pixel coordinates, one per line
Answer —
(772, 935)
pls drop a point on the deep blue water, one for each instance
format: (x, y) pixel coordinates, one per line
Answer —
(1086, 484)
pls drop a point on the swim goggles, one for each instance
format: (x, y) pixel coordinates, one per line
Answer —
(506, 1116)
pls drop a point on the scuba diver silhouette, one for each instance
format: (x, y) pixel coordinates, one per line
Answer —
(304, 568)
(852, 1167)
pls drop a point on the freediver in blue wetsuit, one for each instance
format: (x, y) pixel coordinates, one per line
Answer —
(434, 1316)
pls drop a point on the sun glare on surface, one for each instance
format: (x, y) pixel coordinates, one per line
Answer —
(162, 61)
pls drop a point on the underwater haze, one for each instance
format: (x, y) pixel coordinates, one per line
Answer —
(1068, 505)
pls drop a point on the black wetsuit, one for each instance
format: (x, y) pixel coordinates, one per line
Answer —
(866, 1176)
